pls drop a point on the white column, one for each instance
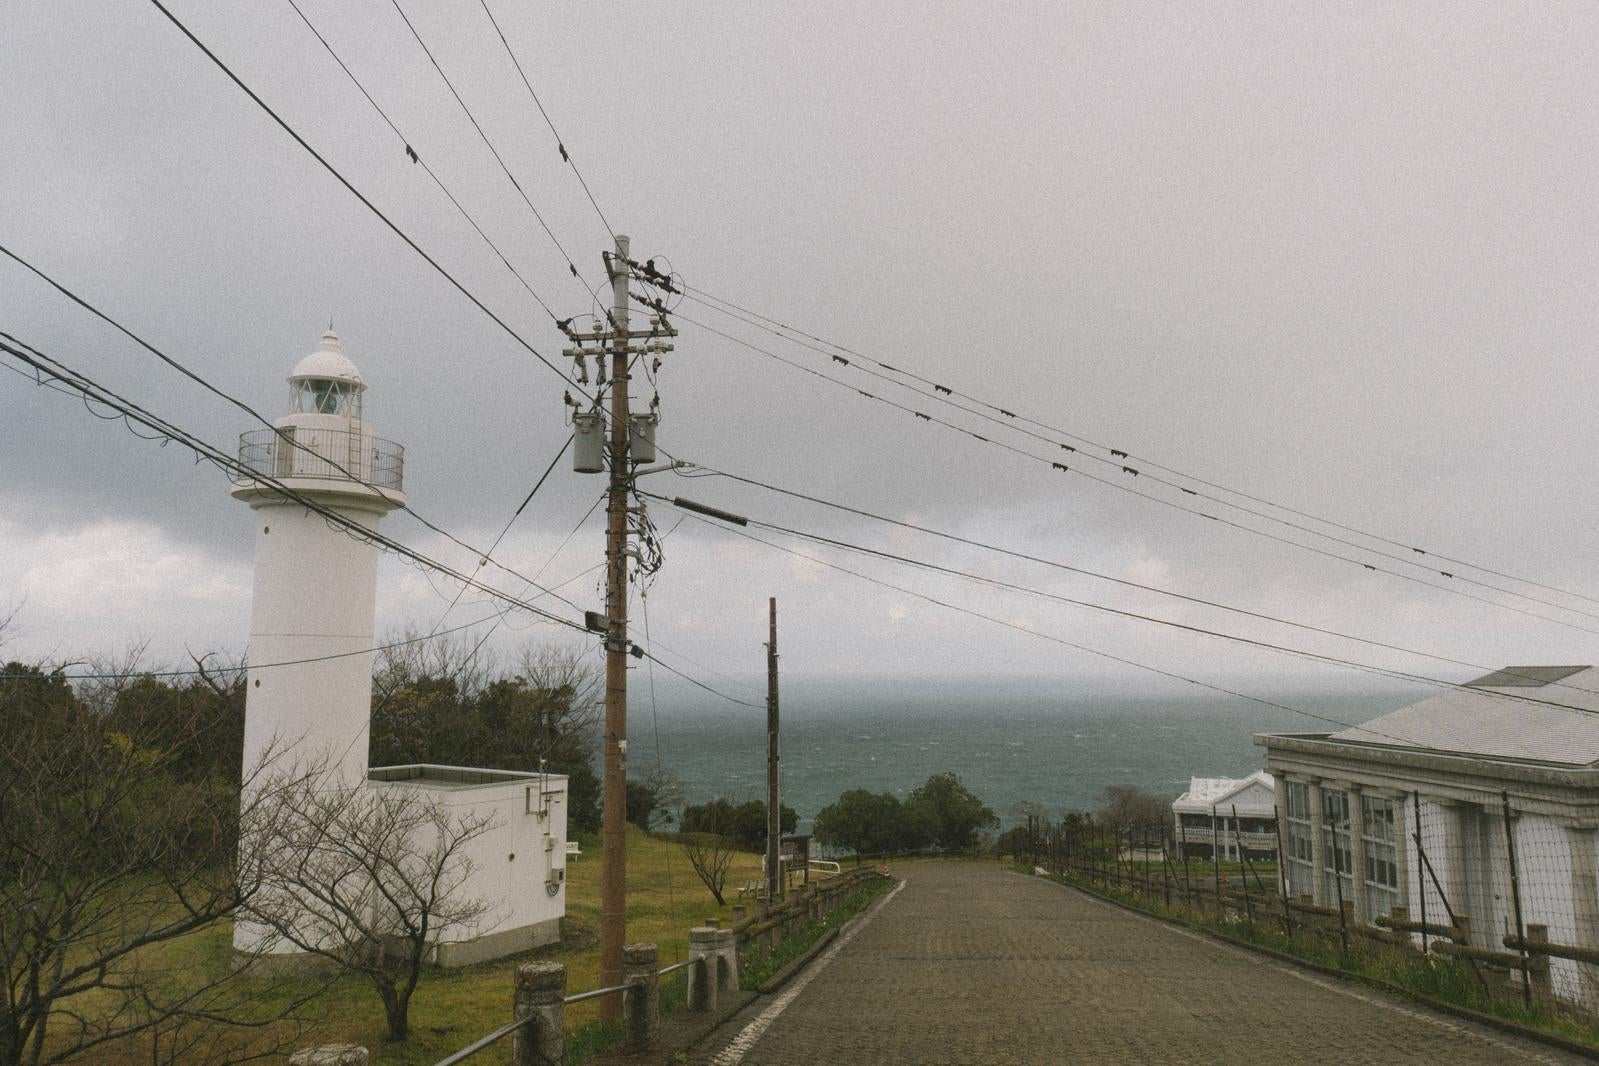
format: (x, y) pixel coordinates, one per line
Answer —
(1460, 821)
(1402, 827)
(1585, 904)
(1318, 842)
(1285, 874)
(1357, 858)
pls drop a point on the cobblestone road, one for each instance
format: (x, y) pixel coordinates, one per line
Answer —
(970, 964)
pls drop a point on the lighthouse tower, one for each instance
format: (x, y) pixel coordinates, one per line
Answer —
(308, 704)
(311, 622)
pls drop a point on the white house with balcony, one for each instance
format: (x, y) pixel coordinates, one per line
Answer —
(309, 694)
(1442, 773)
(1236, 815)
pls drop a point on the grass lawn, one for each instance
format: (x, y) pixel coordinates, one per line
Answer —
(451, 1008)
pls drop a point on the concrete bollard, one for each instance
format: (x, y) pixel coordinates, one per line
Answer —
(540, 988)
(738, 914)
(641, 1003)
(715, 955)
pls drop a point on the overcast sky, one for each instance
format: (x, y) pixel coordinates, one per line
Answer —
(1341, 257)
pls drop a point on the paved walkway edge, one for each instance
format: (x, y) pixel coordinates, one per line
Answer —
(747, 1037)
(781, 977)
(1492, 1021)
(795, 967)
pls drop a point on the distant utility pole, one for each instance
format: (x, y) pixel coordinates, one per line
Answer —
(631, 440)
(774, 821)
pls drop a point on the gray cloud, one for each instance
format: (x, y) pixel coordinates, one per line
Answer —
(1339, 257)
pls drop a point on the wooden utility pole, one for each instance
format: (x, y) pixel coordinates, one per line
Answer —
(626, 444)
(613, 858)
(774, 809)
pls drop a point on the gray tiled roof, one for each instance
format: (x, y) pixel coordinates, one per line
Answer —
(1488, 719)
(1524, 676)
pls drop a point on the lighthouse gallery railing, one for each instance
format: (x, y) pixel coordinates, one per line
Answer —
(323, 454)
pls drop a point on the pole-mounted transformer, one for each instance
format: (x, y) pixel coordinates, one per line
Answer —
(641, 442)
(588, 443)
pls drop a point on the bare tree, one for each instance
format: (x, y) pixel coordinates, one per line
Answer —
(566, 669)
(667, 795)
(114, 844)
(1022, 811)
(408, 656)
(1130, 807)
(368, 878)
(8, 619)
(439, 698)
(711, 855)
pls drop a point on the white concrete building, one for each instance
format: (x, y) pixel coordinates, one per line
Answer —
(1355, 802)
(1237, 812)
(518, 866)
(309, 699)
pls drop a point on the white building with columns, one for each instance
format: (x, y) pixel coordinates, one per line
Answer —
(309, 695)
(1355, 802)
(1236, 814)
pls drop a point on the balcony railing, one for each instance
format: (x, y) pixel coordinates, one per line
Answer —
(1252, 840)
(323, 455)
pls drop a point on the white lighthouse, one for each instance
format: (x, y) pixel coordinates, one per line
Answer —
(311, 623)
(309, 700)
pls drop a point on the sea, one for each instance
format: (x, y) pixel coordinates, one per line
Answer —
(1009, 742)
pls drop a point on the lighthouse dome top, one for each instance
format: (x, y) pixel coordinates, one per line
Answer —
(326, 382)
(328, 362)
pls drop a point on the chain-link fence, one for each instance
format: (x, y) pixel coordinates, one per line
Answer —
(1482, 895)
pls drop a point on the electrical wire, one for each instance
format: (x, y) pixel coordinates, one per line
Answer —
(470, 296)
(1069, 568)
(482, 562)
(254, 666)
(655, 719)
(365, 202)
(560, 143)
(1120, 487)
(942, 391)
(417, 159)
(58, 371)
(1137, 616)
(647, 654)
(281, 436)
(241, 472)
(489, 143)
(1018, 627)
